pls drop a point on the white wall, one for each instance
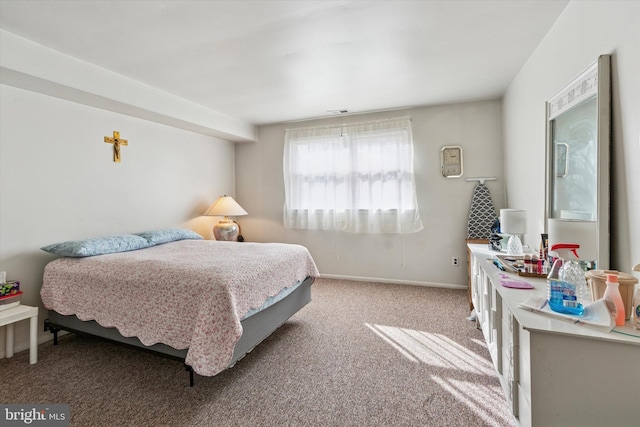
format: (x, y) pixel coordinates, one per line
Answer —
(422, 258)
(584, 31)
(58, 182)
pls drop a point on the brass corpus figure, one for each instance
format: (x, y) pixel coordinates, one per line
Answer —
(117, 142)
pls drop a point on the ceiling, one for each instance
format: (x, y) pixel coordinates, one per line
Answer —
(274, 61)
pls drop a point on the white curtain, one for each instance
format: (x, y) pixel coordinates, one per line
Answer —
(356, 178)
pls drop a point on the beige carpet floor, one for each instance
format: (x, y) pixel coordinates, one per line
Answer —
(360, 354)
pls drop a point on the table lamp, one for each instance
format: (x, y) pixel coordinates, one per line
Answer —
(514, 223)
(575, 231)
(226, 229)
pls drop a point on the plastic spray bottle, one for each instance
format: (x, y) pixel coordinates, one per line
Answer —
(566, 281)
(614, 299)
(554, 290)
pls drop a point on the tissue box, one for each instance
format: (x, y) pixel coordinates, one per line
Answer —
(10, 287)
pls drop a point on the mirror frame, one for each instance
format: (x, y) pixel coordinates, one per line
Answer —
(594, 81)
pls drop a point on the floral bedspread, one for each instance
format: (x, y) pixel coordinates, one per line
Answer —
(185, 294)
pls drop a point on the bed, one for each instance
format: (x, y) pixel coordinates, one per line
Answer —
(206, 303)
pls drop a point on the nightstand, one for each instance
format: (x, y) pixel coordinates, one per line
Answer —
(21, 312)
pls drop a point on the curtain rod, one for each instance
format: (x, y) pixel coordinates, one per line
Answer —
(337, 125)
(482, 180)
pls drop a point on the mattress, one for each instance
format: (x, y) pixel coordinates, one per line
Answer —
(189, 294)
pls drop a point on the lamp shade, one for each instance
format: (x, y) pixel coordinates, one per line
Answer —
(226, 229)
(574, 231)
(225, 206)
(513, 221)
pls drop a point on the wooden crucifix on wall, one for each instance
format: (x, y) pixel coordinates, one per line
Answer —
(117, 142)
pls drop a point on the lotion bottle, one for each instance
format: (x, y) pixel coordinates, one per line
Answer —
(614, 299)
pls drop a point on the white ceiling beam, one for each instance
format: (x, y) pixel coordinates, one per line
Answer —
(31, 66)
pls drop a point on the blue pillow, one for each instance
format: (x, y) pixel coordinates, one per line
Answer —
(158, 237)
(98, 246)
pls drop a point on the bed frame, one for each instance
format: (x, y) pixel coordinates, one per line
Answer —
(255, 328)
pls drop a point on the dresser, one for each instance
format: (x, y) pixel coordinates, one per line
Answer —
(553, 372)
(469, 270)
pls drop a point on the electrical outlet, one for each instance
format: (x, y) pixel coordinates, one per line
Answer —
(454, 261)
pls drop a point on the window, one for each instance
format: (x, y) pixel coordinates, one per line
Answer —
(356, 178)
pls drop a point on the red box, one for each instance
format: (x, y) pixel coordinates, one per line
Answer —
(10, 301)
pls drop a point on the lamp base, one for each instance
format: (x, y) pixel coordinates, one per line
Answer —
(514, 246)
(226, 230)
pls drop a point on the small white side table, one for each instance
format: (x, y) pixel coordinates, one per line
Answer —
(21, 312)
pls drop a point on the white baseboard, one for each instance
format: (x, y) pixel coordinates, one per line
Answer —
(394, 281)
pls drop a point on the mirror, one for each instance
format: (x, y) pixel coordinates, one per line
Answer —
(577, 170)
